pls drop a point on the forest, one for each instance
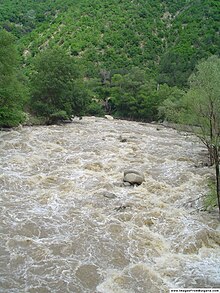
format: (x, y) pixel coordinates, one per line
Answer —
(132, 60)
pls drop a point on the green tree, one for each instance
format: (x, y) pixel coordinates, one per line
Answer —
(135, 95)
(175, 69)
(172, 103)
(13, 93)
(58, 92)
(201, 109)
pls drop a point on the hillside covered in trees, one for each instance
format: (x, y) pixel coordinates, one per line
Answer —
(129, 56)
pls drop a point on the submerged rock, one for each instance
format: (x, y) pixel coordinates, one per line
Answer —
(109, 195)
(122, 139)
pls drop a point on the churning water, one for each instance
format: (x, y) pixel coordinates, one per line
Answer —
(68, 224)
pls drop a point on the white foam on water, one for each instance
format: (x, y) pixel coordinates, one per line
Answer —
(60, 233)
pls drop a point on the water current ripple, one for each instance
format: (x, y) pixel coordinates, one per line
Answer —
(67, 224)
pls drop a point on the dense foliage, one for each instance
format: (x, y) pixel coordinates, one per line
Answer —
(132, 54)
(167, 37)
(57, 93)
(12, 89)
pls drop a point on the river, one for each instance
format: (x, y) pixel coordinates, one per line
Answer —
(68, 224)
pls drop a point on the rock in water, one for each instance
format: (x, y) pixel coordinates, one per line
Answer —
(133, 171)
(109, 195)
(133, 177)
(109, 117)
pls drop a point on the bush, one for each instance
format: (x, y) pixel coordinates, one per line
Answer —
(96, 109)
(58, 117)
(210, 201)
(11, 117)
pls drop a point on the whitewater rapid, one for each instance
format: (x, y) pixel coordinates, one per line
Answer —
(68, 224)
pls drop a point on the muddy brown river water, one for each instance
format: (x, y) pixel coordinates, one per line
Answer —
(68, 224)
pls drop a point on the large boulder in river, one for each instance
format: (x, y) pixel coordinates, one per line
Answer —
(133, 177)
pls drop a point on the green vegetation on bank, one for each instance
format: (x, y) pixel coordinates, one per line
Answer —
(134, 58)
(57, 90)
(210, 201)
(13, 93)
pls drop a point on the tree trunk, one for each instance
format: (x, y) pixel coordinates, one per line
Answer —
(216, 154)
(217, 186)
(211, 155)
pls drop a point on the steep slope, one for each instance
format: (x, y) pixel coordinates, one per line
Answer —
(165, 37)
(192, 34)
(110, 34)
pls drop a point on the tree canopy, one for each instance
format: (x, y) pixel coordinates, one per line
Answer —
(57, 92)
(12, 90)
